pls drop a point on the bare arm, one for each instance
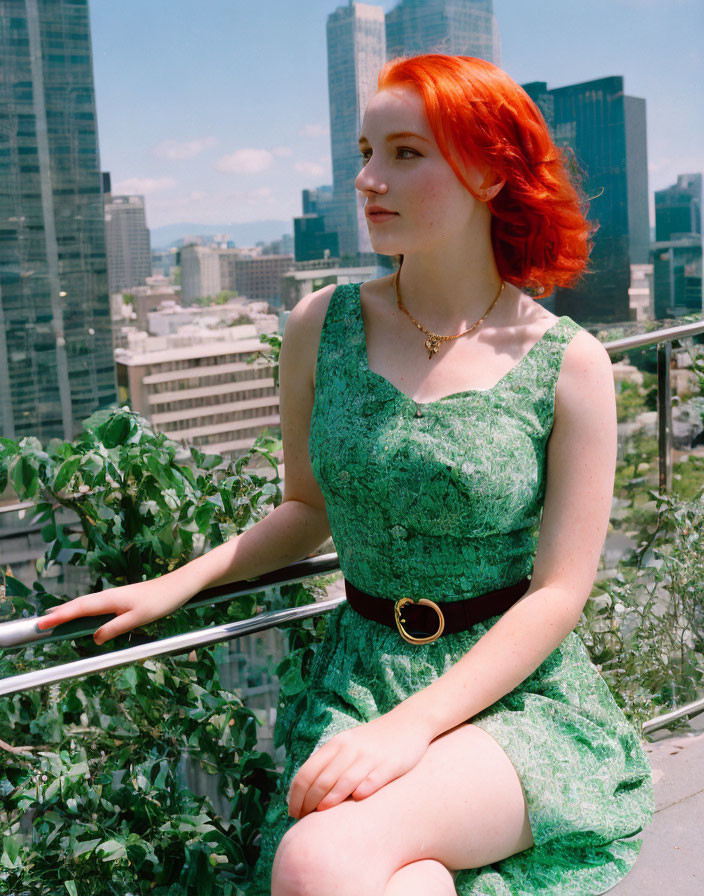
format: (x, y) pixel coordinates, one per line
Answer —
(289, 533)
(581, 461)
(299, 524)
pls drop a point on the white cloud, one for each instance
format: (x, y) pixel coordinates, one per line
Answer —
(143, 185)
(282, 151)
(310, 168)
(197, 195)
(313, 129)
(259, 193)
(246, 161)
(176, 150)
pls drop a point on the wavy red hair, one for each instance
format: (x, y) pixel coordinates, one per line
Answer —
(481, 117)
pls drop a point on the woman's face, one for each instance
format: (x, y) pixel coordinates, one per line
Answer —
(405, 172)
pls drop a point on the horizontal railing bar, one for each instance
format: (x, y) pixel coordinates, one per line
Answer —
(689, 709)
(172, 646)
(654, 337)
(18, 632)
(227, 632)
(13, 508)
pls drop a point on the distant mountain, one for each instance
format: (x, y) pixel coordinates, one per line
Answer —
(246, 234)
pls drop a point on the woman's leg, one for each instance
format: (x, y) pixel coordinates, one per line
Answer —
(424, 878)
(461, 805)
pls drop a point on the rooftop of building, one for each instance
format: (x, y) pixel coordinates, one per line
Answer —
(191, 341)
(343, 274)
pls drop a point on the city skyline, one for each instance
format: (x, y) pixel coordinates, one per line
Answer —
(193, 161)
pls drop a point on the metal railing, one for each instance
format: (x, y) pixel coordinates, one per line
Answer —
(16, 633)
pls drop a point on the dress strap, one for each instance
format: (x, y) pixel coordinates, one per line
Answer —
(547, 371)
(339, 336)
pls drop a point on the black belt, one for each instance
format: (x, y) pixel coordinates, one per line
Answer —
(430, 619)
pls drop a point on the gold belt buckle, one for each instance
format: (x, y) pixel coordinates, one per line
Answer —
(400, 603)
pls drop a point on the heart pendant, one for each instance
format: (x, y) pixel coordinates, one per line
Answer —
(432, 344)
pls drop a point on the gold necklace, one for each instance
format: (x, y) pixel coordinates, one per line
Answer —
(432, 343)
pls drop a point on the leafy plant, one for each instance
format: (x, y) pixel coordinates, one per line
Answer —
(93, 801)
(646, 631)
(270, 355)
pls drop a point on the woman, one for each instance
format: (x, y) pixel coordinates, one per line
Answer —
(459, 442)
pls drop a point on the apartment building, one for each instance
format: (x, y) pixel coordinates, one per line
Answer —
(197, 387)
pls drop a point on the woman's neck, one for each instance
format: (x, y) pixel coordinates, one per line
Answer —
(447, 293)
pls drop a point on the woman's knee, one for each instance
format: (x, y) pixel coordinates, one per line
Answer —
(425, 877)
(311, 860)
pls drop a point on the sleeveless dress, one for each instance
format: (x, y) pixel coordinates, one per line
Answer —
(444, 499)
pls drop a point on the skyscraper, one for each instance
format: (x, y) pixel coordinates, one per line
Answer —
(606, 130)
(312, 238)
(56, 350)
(678, 209)
(127, 240)
(461, 27)
(356, 51)
(677, 251)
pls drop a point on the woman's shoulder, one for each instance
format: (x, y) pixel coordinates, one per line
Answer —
(304, 324)
(583, 354)
(586, 369)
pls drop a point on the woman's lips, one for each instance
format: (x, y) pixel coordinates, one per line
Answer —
(381, 216)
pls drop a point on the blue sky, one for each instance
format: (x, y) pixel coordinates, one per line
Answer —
(217, 110)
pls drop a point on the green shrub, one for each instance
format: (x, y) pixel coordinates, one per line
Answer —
(92, 799)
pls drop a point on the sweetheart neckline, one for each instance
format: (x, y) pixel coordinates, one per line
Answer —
(451, 395)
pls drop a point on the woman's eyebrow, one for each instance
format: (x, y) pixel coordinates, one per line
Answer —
(396, 136)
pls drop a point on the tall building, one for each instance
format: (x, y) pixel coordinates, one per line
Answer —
(606, 130)
(678, 209)
(128, 244)
(312, 238)
(677, 251)
(356, 45)
(459, 27)
(200, 273)
(56, 350)
(677, 276)
(259, 277)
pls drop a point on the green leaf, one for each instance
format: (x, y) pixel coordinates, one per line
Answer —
(71, 886)
(15, 588)
(203, 516)
(83, 846)
(112, 850)
(24, 478)
(116, 431)
(66, 471)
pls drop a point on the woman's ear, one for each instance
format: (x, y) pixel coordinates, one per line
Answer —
(491, 186)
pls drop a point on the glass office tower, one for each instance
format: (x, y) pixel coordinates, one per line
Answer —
(356, 51)
(677, 252)
(461, 27)
(606, 130)
(56, 351)
(678, 209)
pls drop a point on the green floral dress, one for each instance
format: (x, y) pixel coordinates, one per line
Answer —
(444, 499)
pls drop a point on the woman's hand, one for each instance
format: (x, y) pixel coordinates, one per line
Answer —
(358, 761)
(133, 605)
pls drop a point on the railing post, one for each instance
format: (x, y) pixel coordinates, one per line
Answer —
(664, 417)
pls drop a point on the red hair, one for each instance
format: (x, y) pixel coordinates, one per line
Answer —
(481, 117)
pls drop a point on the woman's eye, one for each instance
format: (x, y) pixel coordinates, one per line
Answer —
(409, 154)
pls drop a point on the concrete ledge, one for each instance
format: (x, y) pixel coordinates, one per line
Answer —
(671, 860)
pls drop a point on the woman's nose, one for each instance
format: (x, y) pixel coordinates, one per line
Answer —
(369, 181)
